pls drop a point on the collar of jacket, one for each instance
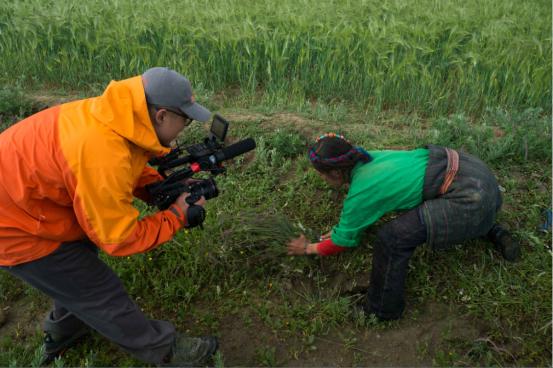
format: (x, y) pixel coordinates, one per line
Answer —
(122, 107)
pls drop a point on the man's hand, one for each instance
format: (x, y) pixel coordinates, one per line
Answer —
(301, 246)
(181, 202)
(190, 181)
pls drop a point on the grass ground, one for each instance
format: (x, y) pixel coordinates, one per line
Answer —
(468, 74)
(465, 307)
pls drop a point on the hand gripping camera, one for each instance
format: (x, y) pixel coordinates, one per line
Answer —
(207, 156)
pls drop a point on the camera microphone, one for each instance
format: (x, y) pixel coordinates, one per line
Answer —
(233, 150)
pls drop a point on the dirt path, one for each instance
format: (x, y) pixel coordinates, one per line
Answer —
(410, 343)
(22, 318)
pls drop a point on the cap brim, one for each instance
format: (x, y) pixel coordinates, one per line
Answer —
(197, 112)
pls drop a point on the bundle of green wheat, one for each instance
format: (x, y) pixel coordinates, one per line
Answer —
(260, 235)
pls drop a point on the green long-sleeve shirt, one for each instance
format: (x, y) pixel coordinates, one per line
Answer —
(393, 180)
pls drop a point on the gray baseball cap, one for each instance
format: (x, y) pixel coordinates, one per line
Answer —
(167, 88)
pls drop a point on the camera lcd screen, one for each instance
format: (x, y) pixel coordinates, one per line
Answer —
(219, 128)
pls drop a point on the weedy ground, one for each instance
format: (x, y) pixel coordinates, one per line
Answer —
(232, 279)
(388, 74)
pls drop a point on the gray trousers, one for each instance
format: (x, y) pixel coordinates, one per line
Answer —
(81, 284)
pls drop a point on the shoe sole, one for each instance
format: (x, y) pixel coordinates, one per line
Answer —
(49, 357)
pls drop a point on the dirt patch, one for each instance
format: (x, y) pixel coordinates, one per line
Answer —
(48, 99)
(338, 284)
(22, 318)
(411, 343)
(309, 128)
(246, 117)
(247, 341)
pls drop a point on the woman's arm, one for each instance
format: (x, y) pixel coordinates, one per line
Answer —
(301, 246)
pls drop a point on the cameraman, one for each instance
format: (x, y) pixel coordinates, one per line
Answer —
(69, 174)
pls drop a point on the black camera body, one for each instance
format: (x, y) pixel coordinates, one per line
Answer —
(206, 156)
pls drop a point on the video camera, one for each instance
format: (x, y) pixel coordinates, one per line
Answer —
(206, 156)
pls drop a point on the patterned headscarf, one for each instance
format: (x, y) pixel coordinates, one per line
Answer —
(346, 159)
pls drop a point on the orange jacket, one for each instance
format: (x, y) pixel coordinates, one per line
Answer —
(69, 172)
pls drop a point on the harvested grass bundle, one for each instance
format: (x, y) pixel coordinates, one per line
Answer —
(260, 235)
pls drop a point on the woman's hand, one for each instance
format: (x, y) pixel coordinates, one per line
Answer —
(300, 246)
(325, 236)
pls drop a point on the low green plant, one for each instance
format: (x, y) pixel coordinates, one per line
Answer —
(259, 235)
(267, 356)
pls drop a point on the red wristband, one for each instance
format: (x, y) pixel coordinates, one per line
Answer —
(327, 248)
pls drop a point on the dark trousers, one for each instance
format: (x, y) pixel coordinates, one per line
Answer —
(395, 244)
(81, 284)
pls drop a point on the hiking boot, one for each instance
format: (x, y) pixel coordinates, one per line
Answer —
(192, 351)
(60, 335)
(504, 243)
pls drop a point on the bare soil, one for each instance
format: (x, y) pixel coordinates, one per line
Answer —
(21, 319)
(413, 342)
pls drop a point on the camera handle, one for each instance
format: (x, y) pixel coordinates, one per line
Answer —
(195, 216)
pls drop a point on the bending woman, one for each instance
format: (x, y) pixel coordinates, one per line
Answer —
(448, 197)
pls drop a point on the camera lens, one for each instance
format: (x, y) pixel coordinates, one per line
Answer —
(206, 188)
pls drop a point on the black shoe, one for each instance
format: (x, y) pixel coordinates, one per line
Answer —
(363, 318)
(362, 314)
(192, 351)
(505, 243)
(60, 335)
